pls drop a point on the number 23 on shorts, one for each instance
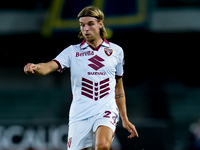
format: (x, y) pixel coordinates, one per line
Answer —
(109, 114)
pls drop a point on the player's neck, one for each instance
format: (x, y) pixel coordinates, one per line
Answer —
(95, 43)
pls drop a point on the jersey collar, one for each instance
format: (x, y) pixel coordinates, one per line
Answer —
(84, 44)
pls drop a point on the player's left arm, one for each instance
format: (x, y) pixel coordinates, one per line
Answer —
(121, 103)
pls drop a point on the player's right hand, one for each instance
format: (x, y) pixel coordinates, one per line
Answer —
(30, 68)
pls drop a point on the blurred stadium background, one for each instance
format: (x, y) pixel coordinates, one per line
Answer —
(160, 39)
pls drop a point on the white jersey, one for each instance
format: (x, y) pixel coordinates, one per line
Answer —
(93, 80)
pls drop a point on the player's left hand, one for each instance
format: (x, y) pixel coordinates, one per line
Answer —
(131, 128)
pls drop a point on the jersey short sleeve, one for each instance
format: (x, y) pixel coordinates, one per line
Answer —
(119, 67)
(63, 59)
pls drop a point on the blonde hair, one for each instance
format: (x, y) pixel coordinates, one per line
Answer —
(95, 12)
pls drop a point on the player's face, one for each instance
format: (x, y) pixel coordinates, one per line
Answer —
(90, 28)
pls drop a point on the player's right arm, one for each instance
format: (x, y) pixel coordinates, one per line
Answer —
(41, 69)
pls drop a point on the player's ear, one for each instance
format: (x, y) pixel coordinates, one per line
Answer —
(101, 24)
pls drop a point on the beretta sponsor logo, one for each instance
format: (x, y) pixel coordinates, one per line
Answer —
(88, 53)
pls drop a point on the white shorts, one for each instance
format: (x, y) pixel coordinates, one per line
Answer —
(80, 133)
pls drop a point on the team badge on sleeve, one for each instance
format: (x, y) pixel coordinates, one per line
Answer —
(108, 51)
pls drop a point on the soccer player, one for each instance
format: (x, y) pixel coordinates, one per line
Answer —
(96, 67)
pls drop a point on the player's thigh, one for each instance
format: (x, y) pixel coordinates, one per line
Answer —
(104, 128)
(103, 136)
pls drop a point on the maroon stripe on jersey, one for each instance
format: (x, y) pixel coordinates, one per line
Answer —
(104, 95)
(83, 42)
(96, 93)
(86, 80)
(105, 90)
(95, 49)
(106, 41)
(104, 81)
(87, 95)
(87, 85)
(103, 86)
(58, 63)
(87, 90)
